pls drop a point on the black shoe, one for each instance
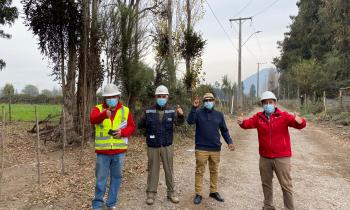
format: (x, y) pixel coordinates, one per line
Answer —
(216, 196)
(197, 199)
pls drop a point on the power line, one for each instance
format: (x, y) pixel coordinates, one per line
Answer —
(220, 24)
(266, 8)
(243, 8)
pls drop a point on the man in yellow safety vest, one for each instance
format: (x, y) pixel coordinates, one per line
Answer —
(113, 125)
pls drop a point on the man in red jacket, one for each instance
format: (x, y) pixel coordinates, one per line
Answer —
(274, 147)
(113, 125)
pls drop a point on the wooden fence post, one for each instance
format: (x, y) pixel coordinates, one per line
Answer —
(2, 148)
(10, 110)
(314, 98)
(324, 101)
(63, 140)
(341, 98)
(232, 98)
(37, 144)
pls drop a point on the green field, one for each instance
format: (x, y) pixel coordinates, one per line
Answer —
(26, 112)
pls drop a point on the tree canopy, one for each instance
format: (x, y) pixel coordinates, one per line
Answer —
(8, 15)
(316, 50)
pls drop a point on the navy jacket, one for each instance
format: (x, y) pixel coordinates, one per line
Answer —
(159, 133)
(208, 123)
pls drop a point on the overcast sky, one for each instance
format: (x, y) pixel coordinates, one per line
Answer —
(25, 64)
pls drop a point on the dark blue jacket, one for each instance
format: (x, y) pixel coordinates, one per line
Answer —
(159, 133)
(208, 123)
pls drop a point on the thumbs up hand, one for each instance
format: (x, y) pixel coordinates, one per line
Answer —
(297, 118)
(179, 110)
(240, 119)
(196, 103)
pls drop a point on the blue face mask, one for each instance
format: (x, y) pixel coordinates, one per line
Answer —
(209, 104)
(162, 101)
(111, 102)
(269, 108)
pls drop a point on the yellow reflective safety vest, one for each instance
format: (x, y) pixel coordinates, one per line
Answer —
(104, 141)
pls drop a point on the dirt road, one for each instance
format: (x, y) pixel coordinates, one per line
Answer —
(321, 175)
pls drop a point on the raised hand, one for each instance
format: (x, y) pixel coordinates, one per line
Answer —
(179, 110)
(240, 119)
(297, 118)
(196, 103)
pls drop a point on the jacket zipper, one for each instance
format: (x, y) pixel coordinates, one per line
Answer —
(162, 132)
(270, 130)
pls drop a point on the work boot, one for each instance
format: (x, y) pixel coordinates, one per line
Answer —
(197, 199)
(150, 198)
(173, 198)
(216, 196)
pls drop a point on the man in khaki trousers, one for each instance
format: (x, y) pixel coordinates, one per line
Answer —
(158, 122)
(208, 123)
(274, 147)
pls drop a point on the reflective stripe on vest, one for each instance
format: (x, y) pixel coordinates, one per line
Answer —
(104, 141)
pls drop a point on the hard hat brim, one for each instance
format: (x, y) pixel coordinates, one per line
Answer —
(275, 99)
(110, 94)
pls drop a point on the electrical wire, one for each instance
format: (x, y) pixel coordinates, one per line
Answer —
(266, 8)
(220, 24)
(243, 8)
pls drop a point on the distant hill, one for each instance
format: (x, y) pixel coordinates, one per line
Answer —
(267, 80)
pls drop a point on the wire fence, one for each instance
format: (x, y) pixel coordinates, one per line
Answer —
(324, 104)
(43, 125)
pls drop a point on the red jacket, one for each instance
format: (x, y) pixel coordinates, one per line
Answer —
(96, 117)
(274, 139)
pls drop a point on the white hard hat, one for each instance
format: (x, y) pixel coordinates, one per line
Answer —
(162, 90)
(111, 90)
(268, 95)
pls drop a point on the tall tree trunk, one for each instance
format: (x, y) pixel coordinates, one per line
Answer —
(188, 58)
(170, 58)
(69, 100)
(83, 67)
(64, 133)
(127, 27)
(62, 52)
(136, 36)
(134, 26)
(95, 67)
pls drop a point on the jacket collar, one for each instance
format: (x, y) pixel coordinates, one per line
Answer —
(160, 107)
(208, 110)
(277, 113)
(119, 105)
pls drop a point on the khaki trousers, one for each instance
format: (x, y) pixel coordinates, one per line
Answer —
(155, 155)
(202, 157)
(282, 168)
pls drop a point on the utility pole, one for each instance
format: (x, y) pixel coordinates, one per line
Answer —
(257, 80)
(240, 94)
